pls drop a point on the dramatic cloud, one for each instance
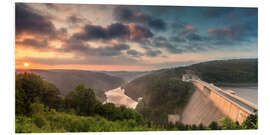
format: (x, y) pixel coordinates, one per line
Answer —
(157, 36)
(153, 53)
(134, 53)
(111, 50)
(194, 37)
(157, 24)
(66, 8)
(162, 42)
(28, 21)
(223, 32)
(126, 15)
(235, 32)
(75, 20)
(33, 43)
(138, 32)
(86, 49)
(116, 30)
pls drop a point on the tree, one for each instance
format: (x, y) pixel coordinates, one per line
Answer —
(37, 112)
(214, 125)
(50, 96)
(201, 127)
(30, 87)
(251, 122)
(82, 99)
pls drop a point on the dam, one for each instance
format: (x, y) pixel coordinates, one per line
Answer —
(211, 103)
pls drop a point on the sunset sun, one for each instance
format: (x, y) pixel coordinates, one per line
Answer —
(26, 64)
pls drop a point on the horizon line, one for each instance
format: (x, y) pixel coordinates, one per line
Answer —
(129, 70)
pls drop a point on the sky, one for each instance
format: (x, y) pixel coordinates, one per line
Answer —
(129, 37)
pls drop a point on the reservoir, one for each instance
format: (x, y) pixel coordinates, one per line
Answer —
(249, 92)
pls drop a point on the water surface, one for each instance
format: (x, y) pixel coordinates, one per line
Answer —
(249, 93)
(118, 97)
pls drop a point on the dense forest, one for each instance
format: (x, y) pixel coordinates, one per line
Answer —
(41, 108)
(163, 93)
(227, 71)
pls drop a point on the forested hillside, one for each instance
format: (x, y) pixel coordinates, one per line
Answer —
(227, 71)
(66, 80)
(126, 75)
(163, 93)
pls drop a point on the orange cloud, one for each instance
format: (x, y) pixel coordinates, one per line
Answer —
(23, 36)
(22, 52)
(189, 28)
(137, 32)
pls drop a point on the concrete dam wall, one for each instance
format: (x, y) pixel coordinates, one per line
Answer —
(201, 109)
(210, 103)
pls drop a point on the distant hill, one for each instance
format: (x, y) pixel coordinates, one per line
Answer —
(227, 71)
(126, 75)
(67, 80)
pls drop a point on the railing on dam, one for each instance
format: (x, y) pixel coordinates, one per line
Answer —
(235, 107)
(240, 102)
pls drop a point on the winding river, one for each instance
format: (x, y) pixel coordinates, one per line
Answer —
(118, 97)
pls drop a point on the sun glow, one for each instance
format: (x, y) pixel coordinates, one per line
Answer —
(26, 64)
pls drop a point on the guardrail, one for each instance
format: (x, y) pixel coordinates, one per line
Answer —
(244, 104)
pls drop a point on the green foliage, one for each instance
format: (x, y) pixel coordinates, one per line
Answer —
(214, 126)
(163, 93)
(82, 111)
(228, 71)
(251, 122)
(37, 109)
(227, 123)
(30, 87)
(113, 113)
(63, 122)
(83, 100)
(66, 80)
(40, 121)
(25, 124)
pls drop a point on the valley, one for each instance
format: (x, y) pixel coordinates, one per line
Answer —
(161, 92)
